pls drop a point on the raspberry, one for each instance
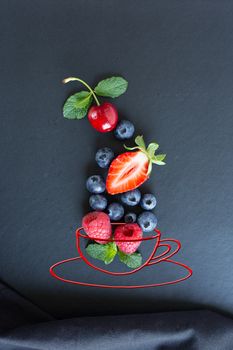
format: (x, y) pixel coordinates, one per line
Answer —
(128, 232)
(97, 225)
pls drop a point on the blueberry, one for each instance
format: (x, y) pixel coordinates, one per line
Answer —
(115, 211)
(147, 220)
(124, 130)
(95, 184)
(131, 198)
(104, 156)
(130, 218)
(148, 201)
(98, 202)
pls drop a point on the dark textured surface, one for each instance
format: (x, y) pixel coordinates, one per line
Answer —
(24, 327)
(177, 57)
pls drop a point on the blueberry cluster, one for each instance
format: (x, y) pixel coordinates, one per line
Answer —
(96, 186)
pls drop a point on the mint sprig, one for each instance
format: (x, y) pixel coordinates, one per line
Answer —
(131, 260)
(77, 105)
(111, 87)
(107, 253)
(103, 252)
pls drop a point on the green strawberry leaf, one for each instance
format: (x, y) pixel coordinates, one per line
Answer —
(159, 162)
(130, 148)
(149, 168)
(140, 142)
(160, 156)
(131, 260)
(77, 105)
(103, 252)
(111, 87)
(158, 159)
(152, 147)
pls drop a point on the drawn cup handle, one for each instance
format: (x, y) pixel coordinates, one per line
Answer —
(168, 253)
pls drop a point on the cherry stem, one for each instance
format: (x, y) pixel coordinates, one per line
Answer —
(67, 80)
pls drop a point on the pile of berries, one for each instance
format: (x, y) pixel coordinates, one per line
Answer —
(128, 201)
(124, 207)
(126, 173)
(124, 242)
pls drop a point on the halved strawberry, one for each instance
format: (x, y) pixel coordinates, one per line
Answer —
(131, 169)
(126, 172)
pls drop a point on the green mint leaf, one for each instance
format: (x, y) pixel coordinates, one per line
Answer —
(140, 142)
(111, 87)
(110, 253)
(96, 251)
(103, 252)
(77, 105)
(131, 260)
(152, 147)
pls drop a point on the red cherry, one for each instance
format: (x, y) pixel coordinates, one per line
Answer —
(104, 117)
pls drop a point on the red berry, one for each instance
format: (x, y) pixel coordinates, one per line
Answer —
(128, 232)
(103, 118)
(127, 171)
(131, 169)
(97, 225)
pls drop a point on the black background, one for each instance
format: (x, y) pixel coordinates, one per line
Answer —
(178, 59)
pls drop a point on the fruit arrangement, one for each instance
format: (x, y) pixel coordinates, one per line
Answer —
(117, 196)
(121, 215)
(103, 117)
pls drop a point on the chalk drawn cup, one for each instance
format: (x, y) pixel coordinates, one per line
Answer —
(172, 247)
